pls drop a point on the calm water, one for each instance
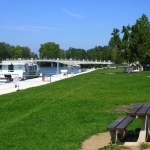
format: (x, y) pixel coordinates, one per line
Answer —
(53, 70)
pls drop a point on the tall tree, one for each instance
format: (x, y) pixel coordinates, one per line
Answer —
(140, 39)
(115, 41)
(49, 50)
(62, 54)
(26, 52)
(115, 45)
(18, 52)
(33, 55)
(126, 52)
(76, 53)
(4, 53)
(11, 51)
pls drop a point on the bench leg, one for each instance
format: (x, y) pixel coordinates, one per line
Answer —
(113, 136)
(148, 125)
(143, 131)
(119, 137)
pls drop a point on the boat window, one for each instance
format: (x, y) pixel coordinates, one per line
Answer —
(34, 67)
(0, 66)
(4, 67)
(11, 67)
(19, 67)
(30, 68)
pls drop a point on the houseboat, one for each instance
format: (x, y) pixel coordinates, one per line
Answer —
(21, 69)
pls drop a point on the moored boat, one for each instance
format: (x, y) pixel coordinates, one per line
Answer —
(70, 67)
(21, 69)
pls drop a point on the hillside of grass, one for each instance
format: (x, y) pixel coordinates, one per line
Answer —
(62, 114)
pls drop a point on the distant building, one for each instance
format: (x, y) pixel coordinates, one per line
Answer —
(134, 67)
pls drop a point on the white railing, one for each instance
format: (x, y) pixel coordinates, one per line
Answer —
(63, 61)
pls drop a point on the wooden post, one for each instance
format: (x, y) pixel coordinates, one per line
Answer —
(43, 77)
(50, 78)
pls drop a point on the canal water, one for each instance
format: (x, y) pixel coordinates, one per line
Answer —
(53, 70)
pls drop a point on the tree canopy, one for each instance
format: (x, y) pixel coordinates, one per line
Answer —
(8, 52)
(135, 42)
(50, 50)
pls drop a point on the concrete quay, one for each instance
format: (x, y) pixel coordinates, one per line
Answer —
(10, 87)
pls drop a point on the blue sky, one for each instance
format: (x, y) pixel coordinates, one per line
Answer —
(69, 23)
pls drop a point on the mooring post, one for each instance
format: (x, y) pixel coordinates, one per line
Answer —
(50, 78)
(43, 76)
(57, 72)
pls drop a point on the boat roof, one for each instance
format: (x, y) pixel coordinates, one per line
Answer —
(17, 63)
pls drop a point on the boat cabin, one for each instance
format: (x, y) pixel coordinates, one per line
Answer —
(12, 69)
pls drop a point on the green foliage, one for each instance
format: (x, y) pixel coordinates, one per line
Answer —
(76, 53)
(99, 53)
(111, 147)
(135, 43)
(140, 38)
(115, 41)
(50, 50)
(144, 146)
(7, 51)
(4, 50)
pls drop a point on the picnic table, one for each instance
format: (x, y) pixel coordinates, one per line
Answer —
(141, 111)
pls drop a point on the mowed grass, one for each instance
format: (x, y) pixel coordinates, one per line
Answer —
(61, 115)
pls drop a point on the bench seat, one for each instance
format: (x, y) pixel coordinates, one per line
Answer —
(139, 110)
(132, 112)
(124, 123)
(121, 123)
(143, 110)
(113, 125)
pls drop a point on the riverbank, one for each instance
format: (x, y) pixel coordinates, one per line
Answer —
(10, 87)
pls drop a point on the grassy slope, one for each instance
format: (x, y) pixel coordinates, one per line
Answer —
(61, 115)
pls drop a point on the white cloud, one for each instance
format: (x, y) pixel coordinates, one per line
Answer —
(73, 14)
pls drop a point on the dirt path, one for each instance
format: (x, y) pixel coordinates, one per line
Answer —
(100, 140)
(96, 141)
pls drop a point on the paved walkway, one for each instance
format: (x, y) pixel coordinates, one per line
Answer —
(10, 87)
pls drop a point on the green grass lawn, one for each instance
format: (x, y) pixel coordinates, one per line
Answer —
(61, 115)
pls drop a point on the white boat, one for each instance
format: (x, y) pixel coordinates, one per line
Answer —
(21, 69)
(70, 67)
(77, 66)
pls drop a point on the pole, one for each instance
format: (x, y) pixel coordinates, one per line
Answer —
(43, 76)
(50, 78)
(57, 72)
(18, 85)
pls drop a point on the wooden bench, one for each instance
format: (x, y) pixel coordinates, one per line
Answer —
(119, 126)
